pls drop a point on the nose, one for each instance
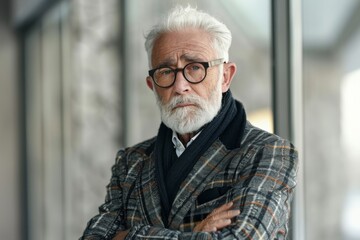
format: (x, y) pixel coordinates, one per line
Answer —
(181, 85)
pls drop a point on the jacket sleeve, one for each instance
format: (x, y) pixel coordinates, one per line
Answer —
(263, 194)
(110, 218)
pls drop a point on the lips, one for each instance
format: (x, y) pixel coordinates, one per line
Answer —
(183, 102)
(181, 105)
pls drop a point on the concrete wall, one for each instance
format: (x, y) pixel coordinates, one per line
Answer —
(23, 9)
(10, 227)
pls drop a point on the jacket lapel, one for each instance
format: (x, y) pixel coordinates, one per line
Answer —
(148, 194)
(209, 164)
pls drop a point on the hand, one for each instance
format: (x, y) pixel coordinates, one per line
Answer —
(121, 235)
(219, 218)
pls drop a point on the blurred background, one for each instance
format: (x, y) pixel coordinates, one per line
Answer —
(73, 92)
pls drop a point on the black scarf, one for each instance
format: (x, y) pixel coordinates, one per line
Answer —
(172, 170)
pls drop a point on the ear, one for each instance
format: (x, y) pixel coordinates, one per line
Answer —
(228, 75)
(150, 83)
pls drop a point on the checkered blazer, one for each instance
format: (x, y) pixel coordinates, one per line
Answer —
(259, 177)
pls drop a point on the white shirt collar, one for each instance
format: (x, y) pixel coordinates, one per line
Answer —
(178, 145)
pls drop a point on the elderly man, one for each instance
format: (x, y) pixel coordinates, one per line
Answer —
(208, 174)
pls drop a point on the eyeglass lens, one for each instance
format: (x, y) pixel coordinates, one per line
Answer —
(193, 72)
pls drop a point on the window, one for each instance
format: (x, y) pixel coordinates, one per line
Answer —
(46, 82)
(331, 118)
(73, 113)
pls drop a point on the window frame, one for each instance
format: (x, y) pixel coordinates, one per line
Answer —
(287, 92)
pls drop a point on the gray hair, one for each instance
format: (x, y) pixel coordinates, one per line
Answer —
(181, 18)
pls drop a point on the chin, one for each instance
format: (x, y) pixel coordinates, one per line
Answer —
(188, 123)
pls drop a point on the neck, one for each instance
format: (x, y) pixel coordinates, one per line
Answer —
(185, 138)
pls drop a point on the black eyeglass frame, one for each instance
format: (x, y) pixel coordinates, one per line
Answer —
(176, 70)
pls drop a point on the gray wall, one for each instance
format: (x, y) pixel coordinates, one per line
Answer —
(23, 9)
(9, 155)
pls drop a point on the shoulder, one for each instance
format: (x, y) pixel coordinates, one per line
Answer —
(257, 137)
(136, 152)
(274, 157)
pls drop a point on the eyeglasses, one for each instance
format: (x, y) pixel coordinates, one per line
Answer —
(194, 72)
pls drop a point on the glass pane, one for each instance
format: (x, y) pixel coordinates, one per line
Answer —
(44, 119)
(52, 125)
(331, 118)
(34, 134)
(249, 22)
(73, 114)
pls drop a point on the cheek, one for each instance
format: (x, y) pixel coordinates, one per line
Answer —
(211, 85)
(163, 94)
(204, 90)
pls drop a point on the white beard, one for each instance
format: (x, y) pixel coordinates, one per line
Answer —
(190, 119)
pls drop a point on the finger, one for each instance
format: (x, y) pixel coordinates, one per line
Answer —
(209, 228)
(224, 215)
(218, 218)
(219, 221)
(217, 225)
(205, 226)
(232, 213)
(225, 206)
(222, 208)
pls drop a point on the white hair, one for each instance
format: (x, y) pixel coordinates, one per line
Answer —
(181, 18)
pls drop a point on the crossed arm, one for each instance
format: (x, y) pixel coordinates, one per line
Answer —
(219, 218)
(262, 195)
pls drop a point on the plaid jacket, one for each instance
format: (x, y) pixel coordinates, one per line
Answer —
(259, 177)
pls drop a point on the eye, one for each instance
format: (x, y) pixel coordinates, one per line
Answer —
(194, 67)
(164, 71)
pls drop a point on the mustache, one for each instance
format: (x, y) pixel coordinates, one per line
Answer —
(192, 99)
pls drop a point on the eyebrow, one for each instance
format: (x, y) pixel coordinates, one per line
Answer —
(166, 63)
(172, 61)
(189, 58)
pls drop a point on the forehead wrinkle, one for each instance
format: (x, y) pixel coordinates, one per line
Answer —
(192, 58)
(186, 56)
(170, 50)
(167, 62)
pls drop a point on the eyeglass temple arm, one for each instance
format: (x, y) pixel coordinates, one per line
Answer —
(216, 62)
